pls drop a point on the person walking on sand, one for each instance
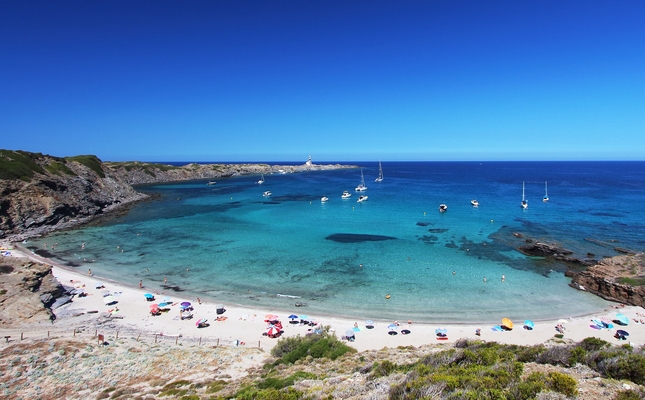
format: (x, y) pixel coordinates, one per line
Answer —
(89, 272)
(140, 284)
(165, 280)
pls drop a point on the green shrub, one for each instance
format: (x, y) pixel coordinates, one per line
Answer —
(384, 368)
(630, 394)
(324, 345)
(562, 383)
(594, 344)
(630, 367)
(250, 393)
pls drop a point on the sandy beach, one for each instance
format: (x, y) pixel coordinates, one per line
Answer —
(242, 326)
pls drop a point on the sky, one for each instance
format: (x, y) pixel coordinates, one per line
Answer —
(233, 80)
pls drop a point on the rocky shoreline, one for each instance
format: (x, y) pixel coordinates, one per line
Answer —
(41, 193)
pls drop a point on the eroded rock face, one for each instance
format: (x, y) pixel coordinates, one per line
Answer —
(603, 279)
(55, 200)
(27, 289)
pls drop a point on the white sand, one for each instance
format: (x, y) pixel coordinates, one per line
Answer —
(247, 325)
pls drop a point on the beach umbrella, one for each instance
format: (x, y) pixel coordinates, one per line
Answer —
(98, 285)
(200, 321)
(392, 327)
(272, 331)
(369, 322)
(507, 323)
(164, 304)
(622, 319)
(270, 317)
(304, 317)
(349, 333)
(563, 321)
(108, 300)
(441, 332)
(528, 323)
(621, 332)
(292, 316)
(148, 295)
(185, 303)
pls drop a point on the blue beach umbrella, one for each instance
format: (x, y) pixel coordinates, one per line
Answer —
(293, 316)
(621, 332)
(148, 295)
(369, 322)
(528, 323)
(622, 319)
(304, 317)
(164, 304)
(392, 327)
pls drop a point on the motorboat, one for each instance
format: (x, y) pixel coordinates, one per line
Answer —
(474, 202)
(266, 194)
(211, 183)
(443, 208)
(324, 199)
(525, 203)
(361, 199)
(361, 186)
(546, 193)
(346, 195)
(261, 181)
(380, 173)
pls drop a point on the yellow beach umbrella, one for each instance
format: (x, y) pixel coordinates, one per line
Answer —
(507, 323)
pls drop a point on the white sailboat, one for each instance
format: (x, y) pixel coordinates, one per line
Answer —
(261, 181)
(380, 173)
(361, 187)
(525, 203)
(546, 193)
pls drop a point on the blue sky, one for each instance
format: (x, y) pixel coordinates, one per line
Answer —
(358, 80)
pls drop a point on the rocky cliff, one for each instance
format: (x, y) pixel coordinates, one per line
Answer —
(41, 193)
(27, 290)
(620, 278)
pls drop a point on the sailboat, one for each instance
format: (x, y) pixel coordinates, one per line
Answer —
(546, 193)
(380, 173)
(525, 203)
(361, 187)
(261, 181)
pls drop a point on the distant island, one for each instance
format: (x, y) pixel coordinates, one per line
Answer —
(41, 193)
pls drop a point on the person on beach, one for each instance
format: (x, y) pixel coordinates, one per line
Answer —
(165, 280)
(140, 284)
(199, 301)
(89, 272)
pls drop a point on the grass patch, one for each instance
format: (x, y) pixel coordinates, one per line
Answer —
(91, 162)
(19, 165)
(637, 281)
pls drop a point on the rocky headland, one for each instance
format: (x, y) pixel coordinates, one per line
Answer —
(620, 278)
(41, 193)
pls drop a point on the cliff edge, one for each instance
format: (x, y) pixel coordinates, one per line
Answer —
(619, 278)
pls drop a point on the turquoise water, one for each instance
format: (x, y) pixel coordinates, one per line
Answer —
(231, 244)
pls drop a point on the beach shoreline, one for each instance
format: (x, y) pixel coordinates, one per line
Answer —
(241, 325)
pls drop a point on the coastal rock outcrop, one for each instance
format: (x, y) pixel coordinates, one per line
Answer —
(41, 193)
(620, 278)
(555, 252)
(27, 290)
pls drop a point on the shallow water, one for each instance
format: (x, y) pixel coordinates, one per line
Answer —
(229, 243)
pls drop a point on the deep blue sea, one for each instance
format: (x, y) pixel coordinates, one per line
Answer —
(230, 244)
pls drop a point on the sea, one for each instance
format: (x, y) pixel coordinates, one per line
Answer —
(394, 256)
